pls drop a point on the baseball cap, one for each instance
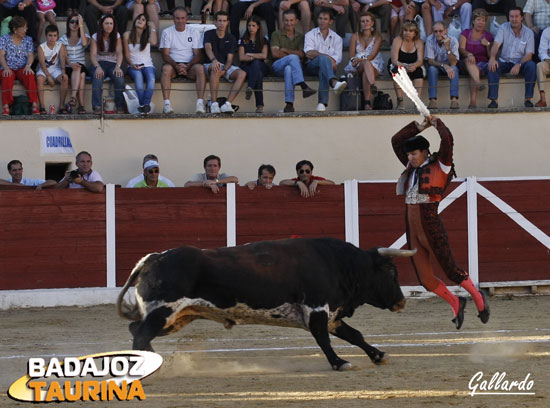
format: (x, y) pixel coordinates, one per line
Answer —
(150, 163)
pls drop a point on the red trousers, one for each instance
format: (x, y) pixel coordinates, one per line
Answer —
(28, 81)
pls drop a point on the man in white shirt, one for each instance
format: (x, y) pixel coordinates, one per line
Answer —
(323, 49)
(15, 168)
(181, 51)
(83, 176)
(211, 178)
(149, 157)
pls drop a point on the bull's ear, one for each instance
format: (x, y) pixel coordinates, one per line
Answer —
(396, 252)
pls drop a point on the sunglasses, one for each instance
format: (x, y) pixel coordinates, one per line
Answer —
(302, 171)
(73, 22)
(151, 171)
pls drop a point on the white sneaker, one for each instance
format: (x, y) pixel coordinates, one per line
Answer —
(227, 108)
(200, 107)
(215, 107)
(167, 109)
(339, 86)
(321, 107)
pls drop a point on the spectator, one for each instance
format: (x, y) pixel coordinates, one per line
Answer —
(182, 53)
(422, 7)
(106, 57)
(44, 12)
(495, 6)
(83, 176)
(213, 6)
(252, 54)
(103, 8)
(380, 8)
(219, 47)
(245, 8)
(397, 16)
(148, 158)
(16, 57)
(151, 8)
(474, 49)
(323, 49)
(15, 168)
(442, 9)
(266, 174)
(287, 49)
(305, 181)
(442, 55)
(365, 57)
(339, 11)
(407, 51)
(302, 11)
(537, 17)
(137, 50)
(24, 9)
(150, 178)
(52, 58)
(211, 178)
(518, 46)
(76, 40)
(543, 67)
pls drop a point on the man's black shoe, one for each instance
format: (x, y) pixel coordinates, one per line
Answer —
(485, 313)
(459, 319)
(307, 92)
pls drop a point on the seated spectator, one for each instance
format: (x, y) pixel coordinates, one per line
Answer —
(137, 50)
(138, 179)
(213, 6)
(287, 49)
(339, 10)
(323, 49)
(495, 6)
(76, 40)
(252, 54)
(442, 9)
(305, 181)
(407, 51)
(69, 6)
(518, 46)
(220, 47)
(397, 16)
(422, 7)
(474, 48)
(15, 168)
(211, 178)
(536, 14)
(16, 57)
(106, 57)
(181, 51)
(543, 67)
(380, 8)
(365, 57)
(442, 55)
(151, 9)
(245, 8)
(44, 12)
(103, 8)
(83, 176)
(52, 59)
(302, 11)
(24, 9)
(150, 178)
(266, 174)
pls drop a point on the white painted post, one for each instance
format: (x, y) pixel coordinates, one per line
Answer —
(351, 206)
(110, 228)
(231, 211)
(473, 259)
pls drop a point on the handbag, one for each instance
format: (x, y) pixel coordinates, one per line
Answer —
(132, 101)
(45, 5)
(455, 28)
(351, 99)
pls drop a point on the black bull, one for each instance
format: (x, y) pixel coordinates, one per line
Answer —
(305, 283)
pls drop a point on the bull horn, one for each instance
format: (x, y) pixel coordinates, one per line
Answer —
(396, 252)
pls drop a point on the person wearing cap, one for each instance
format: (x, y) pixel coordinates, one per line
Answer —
(150, 177)
(163, 181)
(423, 183)
(305, 180)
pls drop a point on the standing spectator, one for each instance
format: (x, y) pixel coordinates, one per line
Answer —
(305, 181)
(442, 9)
(543, 67)
(83, 176)
(22, 8)
(151, 8)
(219, 47)
(16, 57)
(102, 8)
(407, 51)
(211, 178)
(245, 8)
(44, 12)
(287, 49)
(339, 11)
(15, 168)
(252, 54)
(182, 53)
(150, 178)
(365, 58)
(106, 56)
(518, 46)
(76, 40)
(537, 17)
(137, 50)
(147, 158)
(52, 58)
(266, 174)
(302, 12)
(323, 49)
(442, 55)
(474, 48)
(495, 6)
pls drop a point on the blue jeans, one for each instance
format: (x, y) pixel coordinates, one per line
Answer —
(322, 66)
(255, 72)
(97, 84)
(290, 68)
(529, 70)
(433, 74)
(144, 90)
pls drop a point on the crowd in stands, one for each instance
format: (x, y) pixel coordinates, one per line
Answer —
(424, 46)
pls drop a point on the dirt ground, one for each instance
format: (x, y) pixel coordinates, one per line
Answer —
(430, 363)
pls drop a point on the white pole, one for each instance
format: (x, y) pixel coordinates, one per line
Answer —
(110, 227)
(231, 209)
(351, 206)
(473, 259)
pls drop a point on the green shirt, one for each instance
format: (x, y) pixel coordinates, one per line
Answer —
(279, 39)
(143, 183)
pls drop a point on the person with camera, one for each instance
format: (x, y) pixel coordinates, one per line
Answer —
(83, 176)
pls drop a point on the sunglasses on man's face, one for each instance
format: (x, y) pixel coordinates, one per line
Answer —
(307, 171)
(151, 171)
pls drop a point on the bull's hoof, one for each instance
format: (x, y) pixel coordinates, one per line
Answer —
(380, 358)
(342, 365)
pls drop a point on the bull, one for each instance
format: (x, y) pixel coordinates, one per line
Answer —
(310, 284)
